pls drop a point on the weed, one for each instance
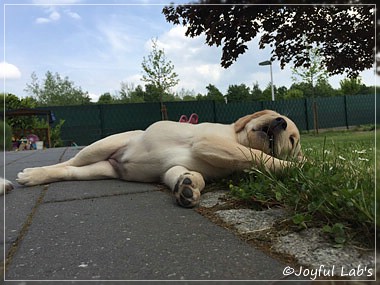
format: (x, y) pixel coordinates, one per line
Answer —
(333, 189)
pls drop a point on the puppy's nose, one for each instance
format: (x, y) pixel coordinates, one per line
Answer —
(280, 123)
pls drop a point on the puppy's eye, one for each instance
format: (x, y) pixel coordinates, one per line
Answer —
(291, 140)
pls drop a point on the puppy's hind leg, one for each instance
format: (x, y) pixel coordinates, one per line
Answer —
(186, 185)
(43, 175)
(101, 150)
(97, 153)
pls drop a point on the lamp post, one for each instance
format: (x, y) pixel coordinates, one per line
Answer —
(269, 62)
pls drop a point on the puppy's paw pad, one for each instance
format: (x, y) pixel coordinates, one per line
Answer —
(186, 193)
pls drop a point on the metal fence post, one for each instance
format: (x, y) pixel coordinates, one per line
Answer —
(315, 116)
(101, 120)
(214, 110)
(306, 114)
(345, 110)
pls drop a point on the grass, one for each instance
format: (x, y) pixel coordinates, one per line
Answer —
(334, 189)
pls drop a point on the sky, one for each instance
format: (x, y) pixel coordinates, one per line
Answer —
(98, 46)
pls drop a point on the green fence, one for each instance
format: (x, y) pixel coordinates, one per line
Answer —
(88, 123)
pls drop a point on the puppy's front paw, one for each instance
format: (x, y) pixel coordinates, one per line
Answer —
(186, 192)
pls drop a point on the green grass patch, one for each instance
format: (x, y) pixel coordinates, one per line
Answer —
(334, 189)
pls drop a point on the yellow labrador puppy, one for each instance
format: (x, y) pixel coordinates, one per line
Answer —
(181, 155)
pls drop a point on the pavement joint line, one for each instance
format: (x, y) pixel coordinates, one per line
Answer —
(23, 232)
(63, 153)
(17, 159)
(4, 264)
(99, 196)
(33, 153)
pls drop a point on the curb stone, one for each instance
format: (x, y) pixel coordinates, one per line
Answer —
(308, 247)
(248, 221)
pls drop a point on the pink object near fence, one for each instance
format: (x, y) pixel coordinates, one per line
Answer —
(192, 120)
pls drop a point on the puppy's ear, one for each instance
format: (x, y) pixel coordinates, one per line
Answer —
(240, 123)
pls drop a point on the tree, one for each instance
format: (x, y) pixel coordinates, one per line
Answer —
(315, 72)
(281, 92)
(56, 91)
(12, 102)
(350, 86)
(305, 88)
(267, 92)
(125, 92)
(368, 89)
(256, 92)
(153, 93)
(137, 95)
(188, 98)
(159, 75)
(293, 93)
(345, 34)
(130, 94)
(185, 95)
(237, 93)
(106, 98)
(324, 89)
(158, 70)
(213, 93)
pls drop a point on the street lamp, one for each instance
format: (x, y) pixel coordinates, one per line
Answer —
(269, 62)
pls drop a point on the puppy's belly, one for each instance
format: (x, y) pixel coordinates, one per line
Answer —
(150, 166)
(135, 170)
(142, 172)
(138, 164)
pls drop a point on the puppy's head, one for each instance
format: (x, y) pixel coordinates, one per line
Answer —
(269, 132)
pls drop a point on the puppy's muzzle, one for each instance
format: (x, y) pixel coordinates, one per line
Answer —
(272, 130)
(278, 124)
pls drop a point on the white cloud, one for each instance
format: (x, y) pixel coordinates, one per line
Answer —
(94, 97)
(175, 42)
(53, 17)
(196, 63)
(213, 71)
(73, 15)
(134, 80)
(9, 71)
(115, 36)
(42, 20)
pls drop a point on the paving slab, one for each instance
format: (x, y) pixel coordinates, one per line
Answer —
(117, 230)
(141, 236)
(20, 202)
(16, 161)
(74, 190)
(18, 206)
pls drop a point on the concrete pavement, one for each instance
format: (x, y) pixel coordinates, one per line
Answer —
(115, 230)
